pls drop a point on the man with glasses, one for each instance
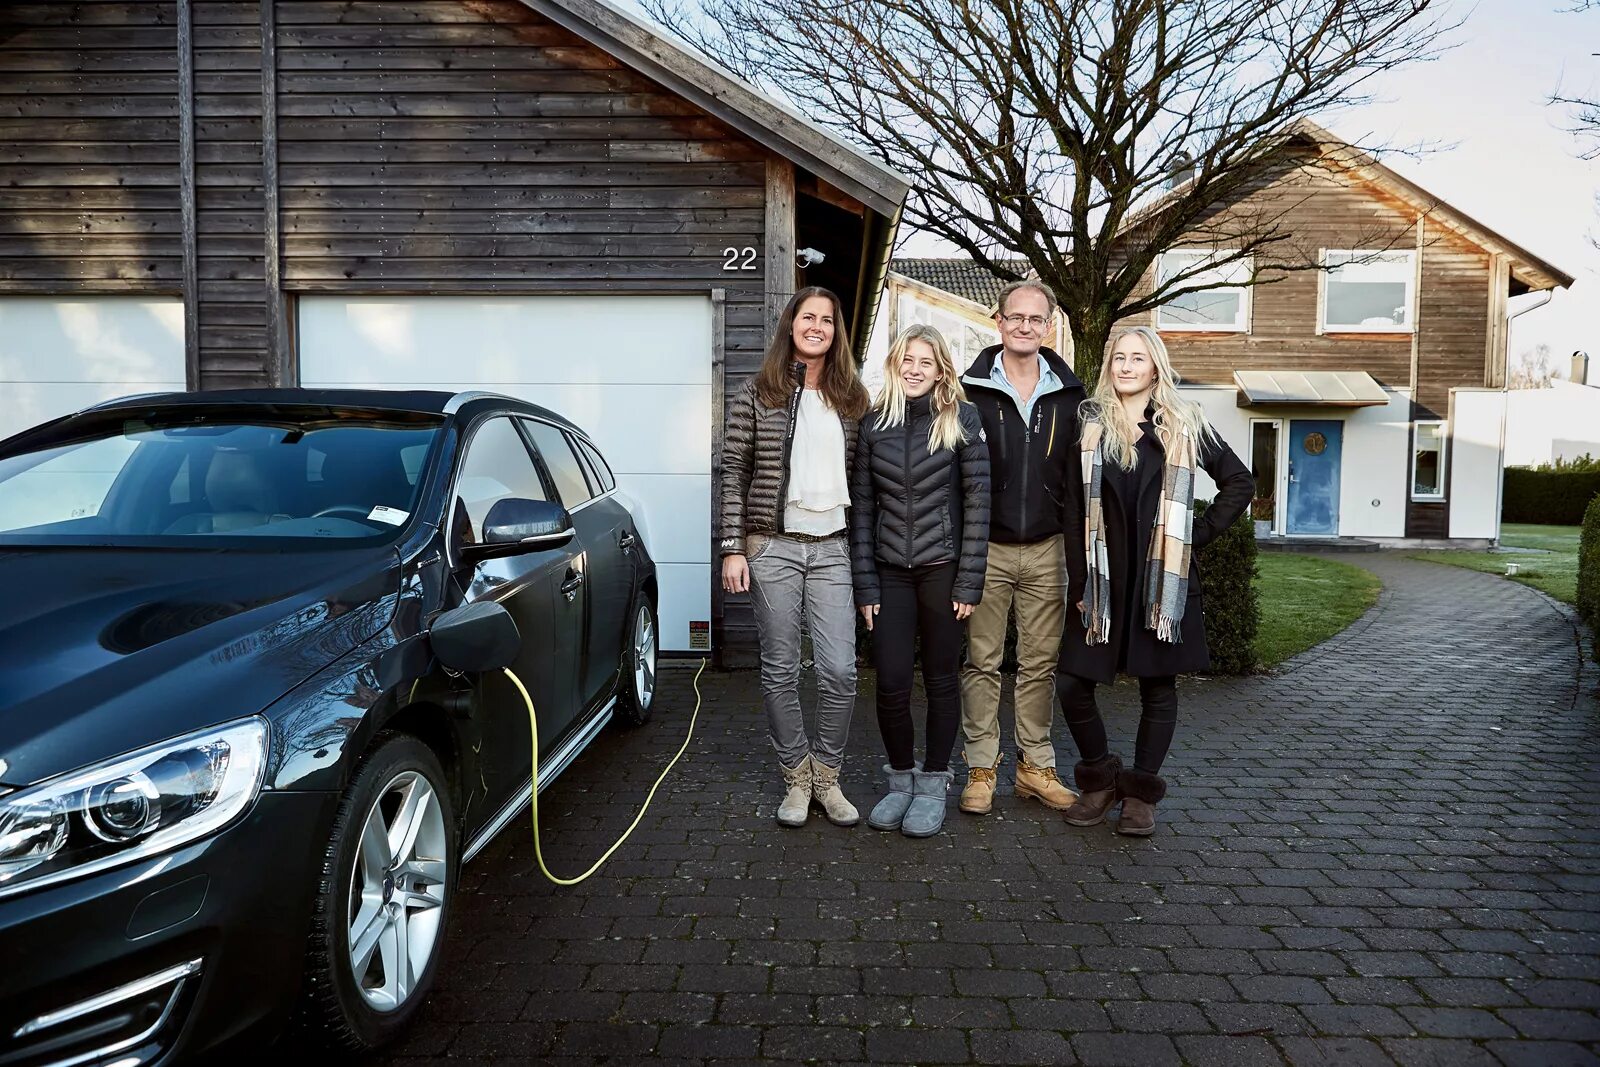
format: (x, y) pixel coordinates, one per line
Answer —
(1028, 398)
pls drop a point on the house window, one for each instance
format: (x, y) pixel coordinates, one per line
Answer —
(965, 338)
(1427, 462)
(1264, 447)
(1223, 309)
(1368, 292)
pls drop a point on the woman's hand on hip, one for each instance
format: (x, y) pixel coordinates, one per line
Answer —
(867, 612)
(962, 610)
(735, 573)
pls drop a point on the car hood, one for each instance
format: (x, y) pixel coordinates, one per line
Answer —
(104, 651)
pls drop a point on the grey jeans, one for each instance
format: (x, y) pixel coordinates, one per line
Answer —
(794, 582)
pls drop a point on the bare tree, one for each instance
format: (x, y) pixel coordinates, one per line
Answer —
(1535, 368)
(1045, 129)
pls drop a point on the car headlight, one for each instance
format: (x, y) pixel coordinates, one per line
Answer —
(137, 805)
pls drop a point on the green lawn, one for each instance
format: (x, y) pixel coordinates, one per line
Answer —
(1306, 600)
(1553, 570)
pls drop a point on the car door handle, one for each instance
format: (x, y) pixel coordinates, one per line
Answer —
(570, 587)
(627, 540)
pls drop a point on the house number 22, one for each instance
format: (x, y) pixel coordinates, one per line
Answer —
(739, 258)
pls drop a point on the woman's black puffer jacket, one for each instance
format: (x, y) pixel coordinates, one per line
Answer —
(909, 508)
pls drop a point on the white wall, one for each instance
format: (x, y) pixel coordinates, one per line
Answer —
(62, 354)
(633, 371)
(1561, 422)
(1479, 415)
(1373, 464)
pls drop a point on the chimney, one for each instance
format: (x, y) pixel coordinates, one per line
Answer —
(1181, 169)
(1580, 368)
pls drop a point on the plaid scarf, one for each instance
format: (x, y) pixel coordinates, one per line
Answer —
(1166, 565)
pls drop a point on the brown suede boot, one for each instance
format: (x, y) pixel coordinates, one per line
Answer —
(1042, 784)
(978, 797)
(1141, 792)
(1098, 783)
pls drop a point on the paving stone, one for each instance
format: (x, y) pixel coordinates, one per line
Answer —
(1349, 869)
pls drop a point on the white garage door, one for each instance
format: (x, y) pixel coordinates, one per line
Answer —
(633, 371)
(61, 354)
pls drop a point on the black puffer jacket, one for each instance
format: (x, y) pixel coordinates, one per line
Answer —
(910, 508)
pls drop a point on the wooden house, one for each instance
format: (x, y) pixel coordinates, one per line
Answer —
(541, 197)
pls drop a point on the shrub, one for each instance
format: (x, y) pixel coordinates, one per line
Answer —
(1227, 581)
(1552, 497)
(1589, 571)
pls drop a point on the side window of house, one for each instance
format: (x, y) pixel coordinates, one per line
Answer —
(560, 461)
(597, 463)
(1368, 292)
(1224, 309)
(1427, 466)
(498, 466)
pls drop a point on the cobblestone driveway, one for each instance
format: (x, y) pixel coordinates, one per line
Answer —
(1386, 852)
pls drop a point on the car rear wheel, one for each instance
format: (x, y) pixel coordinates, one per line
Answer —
(382, 898)
(639, 662)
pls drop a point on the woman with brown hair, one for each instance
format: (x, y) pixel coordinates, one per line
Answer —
(788, 448)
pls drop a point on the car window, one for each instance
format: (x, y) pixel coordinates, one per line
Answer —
(560, 461)
(230, 476)
(498, 466)
(597, 463)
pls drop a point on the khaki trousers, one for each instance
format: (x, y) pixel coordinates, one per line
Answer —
(1032, 576)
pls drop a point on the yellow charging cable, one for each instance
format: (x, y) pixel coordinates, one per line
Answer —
(533, 725)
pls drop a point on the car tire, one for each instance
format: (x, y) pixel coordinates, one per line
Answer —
(360, 879)
(640, 661)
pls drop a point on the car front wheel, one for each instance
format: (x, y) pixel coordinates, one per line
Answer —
(639, 666)
(382, 898)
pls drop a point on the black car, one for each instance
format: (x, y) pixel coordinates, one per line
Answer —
(238, 774)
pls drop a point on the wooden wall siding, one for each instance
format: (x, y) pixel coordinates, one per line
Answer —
(89, 148)
(1324, 211)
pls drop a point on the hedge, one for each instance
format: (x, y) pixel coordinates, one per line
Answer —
(1589, 571)
(1232, 613)
(1547, 497)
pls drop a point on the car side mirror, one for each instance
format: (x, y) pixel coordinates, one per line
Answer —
(481, 636)
(514, 526)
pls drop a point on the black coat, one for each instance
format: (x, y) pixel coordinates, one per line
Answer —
(1133, 648)
(911, 508)
(1033, 464)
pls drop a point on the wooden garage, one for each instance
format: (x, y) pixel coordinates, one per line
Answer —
(419, 192)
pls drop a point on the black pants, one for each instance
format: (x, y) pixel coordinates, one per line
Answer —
(917, 601)
(1159, 696)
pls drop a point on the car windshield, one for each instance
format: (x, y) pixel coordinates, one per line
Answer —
(217, 478)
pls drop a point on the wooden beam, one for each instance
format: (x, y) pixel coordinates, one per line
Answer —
(186, 195)
(281, 366)
(1494, 356)
(780, 241)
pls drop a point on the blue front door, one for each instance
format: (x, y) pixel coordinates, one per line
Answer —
(1314, 448)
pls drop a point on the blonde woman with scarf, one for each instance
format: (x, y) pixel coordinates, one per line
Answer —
(1132, 571)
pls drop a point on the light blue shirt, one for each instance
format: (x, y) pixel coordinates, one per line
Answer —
(1048, 383)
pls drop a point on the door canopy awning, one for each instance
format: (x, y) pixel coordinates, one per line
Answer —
(1322, 388)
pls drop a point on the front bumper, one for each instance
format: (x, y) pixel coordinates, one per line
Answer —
(169, 956)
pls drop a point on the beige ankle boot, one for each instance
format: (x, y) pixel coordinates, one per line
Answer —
(797, 802)
(825, 791)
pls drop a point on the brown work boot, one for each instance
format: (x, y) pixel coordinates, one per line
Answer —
(978, 796)
(1042, 783)
(1098, 784)
(1141, 792)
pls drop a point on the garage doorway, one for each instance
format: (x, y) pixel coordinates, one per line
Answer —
(635, 372)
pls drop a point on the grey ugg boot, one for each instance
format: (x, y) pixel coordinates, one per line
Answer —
(925, 816)
(797, 802)
(825, 791)
(892, 808)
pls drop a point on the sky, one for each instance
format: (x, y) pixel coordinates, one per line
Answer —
(1504, 158)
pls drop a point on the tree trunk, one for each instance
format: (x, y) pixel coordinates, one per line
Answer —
(1091, 330)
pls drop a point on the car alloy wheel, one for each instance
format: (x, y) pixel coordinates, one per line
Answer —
(639, 666)
(382, 893)
(397, 891)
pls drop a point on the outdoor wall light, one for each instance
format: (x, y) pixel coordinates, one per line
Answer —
(810, 257)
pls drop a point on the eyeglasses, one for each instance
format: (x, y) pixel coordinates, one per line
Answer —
(1038, 322)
